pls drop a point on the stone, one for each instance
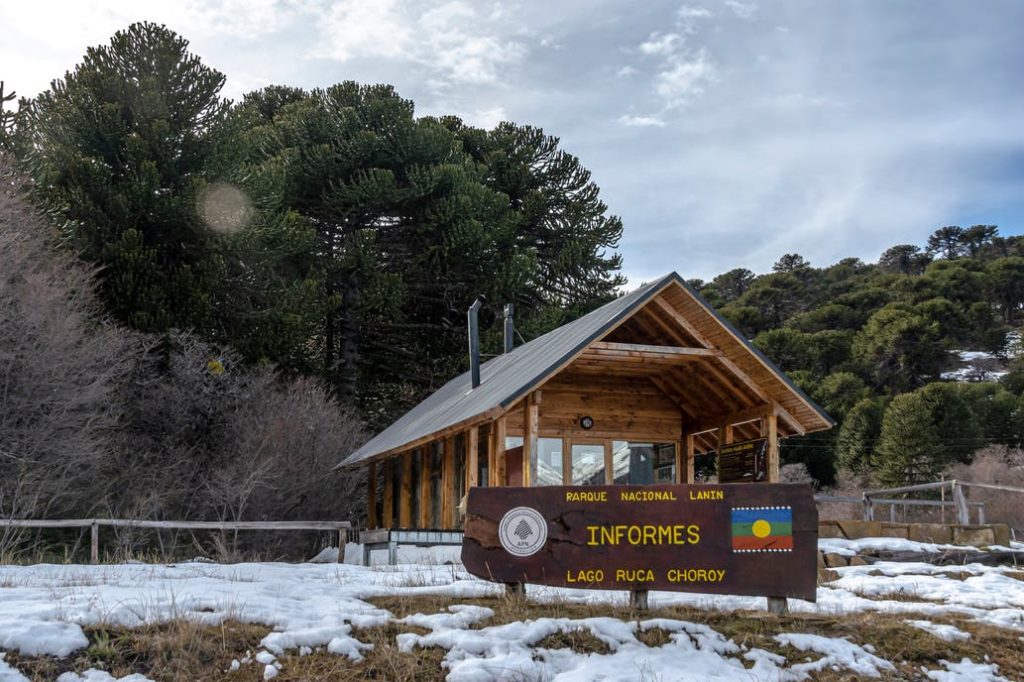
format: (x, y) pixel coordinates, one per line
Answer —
(854, 530)
(895, 530)
(830, 529)
(821, 560)
(1002, 533)
(938, 533)
(857, 560)
(826, 575)
(975, 536)
(833, 560)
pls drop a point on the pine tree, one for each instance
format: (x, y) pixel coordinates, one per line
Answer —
(116, 149)
(909, 447)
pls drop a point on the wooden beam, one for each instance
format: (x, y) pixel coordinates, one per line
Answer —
(448, 484)
(371, 496)
(747, 415)
(472, 455)
(426, 471)
(405, 501)
(645, 350)
(674, 315)
(531, 424)
(772, 428)
(389, 493)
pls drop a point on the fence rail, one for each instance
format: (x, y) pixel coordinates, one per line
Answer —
(869, 498)
(341, 527)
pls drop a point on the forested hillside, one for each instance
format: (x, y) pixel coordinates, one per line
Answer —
(870, 342)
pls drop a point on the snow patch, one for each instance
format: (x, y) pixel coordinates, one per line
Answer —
(966, 671)
(947, 633)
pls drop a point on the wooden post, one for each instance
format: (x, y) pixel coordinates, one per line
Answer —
(680, 471)
(371, 496)
(342, 541)
(497, 463)
(472, 457)
(405, 502)
(448, 484)
(389, 493)
(531, 421)
(638, 600)
(426, 471)
(778, 606)
(691, 453)
(94, 543)
(772, 428)
(609, 465)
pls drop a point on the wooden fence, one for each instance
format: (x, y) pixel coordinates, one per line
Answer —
(341, 527)
(958, 501)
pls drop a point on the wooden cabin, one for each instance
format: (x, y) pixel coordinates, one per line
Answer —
(630, 393)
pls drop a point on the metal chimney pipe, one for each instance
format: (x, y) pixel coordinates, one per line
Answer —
(472, 316)
(509, 328)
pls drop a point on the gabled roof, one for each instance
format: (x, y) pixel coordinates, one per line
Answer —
(507, 378)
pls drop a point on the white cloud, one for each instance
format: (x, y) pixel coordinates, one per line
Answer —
(684, 77)
(641, 121)
(487, 118)
(625, 72)
(744, 10)
(451, 40)
(660, 44)
(687, 17)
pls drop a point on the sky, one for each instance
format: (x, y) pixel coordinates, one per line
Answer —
(725, 133)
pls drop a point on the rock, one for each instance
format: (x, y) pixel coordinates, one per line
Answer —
(826, 575)
(1002, 533)
(829, 529)
(857, 560)
(895, 530)
(938, 533)
(854, 530)
(975, 536)
(832, 560)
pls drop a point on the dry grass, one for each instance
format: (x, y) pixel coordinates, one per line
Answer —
(182, 650)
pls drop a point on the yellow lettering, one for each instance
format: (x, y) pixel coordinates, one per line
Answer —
(694, 534)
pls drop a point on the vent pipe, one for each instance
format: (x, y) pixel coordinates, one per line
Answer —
(509, 328)
(472, 318)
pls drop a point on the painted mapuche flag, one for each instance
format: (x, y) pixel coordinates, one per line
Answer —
(762, 529)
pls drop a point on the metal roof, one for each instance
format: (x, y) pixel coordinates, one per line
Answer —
(503, 379)
(508, 377)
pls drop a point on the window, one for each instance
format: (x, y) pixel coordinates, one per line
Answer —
(548, 463)
(643, 463)
(587, 461)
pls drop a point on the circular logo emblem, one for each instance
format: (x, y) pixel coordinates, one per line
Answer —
(522, 531)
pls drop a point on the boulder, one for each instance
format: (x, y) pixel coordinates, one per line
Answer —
(938, 533)
(854, 530)
(857, 560)
(830, 529)
(826, 575)
(833, 560)
(975, 536)
(895, 530)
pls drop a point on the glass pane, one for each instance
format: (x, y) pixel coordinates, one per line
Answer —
(633, 462)
(587, 464)
(549, 462)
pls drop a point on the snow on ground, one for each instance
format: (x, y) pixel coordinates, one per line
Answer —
(44, 607)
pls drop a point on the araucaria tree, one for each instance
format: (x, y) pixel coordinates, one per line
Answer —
(116, 150)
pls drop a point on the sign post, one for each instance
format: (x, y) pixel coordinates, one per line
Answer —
(718, 539)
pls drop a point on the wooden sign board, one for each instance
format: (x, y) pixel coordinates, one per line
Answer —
(721, 539)
(745, 462)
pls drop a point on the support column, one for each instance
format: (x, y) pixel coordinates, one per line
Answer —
(472, 457)
(496, 453)
(680, 462)
(772, 433)
(405, 501)
(389, 493)
(691, 453)
(609, 466)
(426, 471)
(371, 496)
(448, 484)
(531, 423)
